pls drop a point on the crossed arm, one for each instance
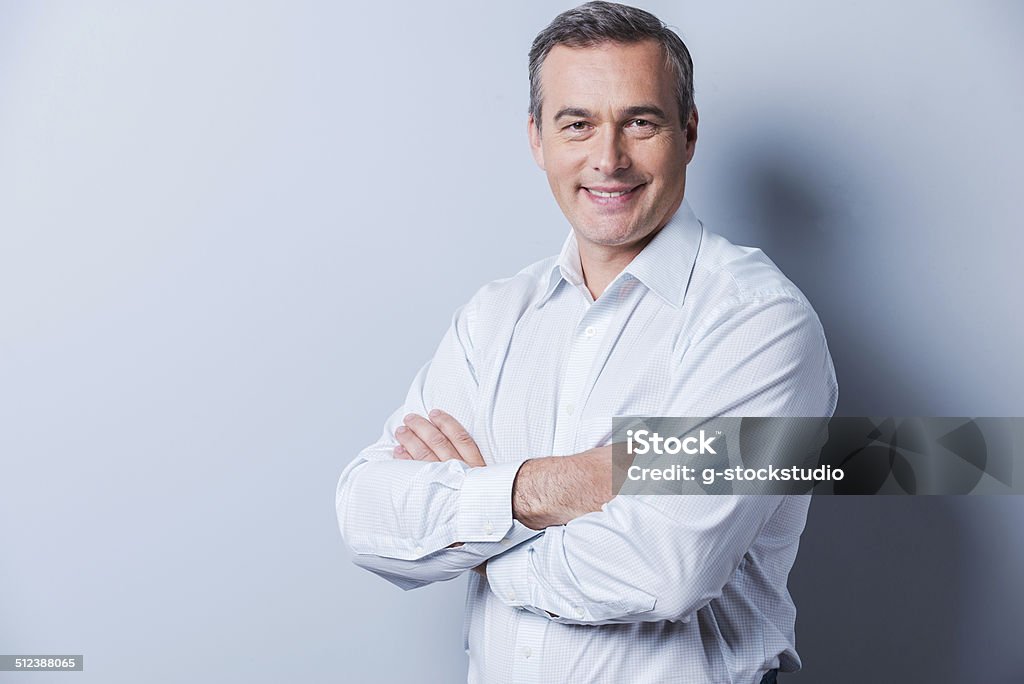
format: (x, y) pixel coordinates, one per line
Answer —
(546, 491)
(599, 559)
(495, 507)
(546, 531)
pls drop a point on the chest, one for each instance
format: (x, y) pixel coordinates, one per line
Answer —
(561, 373)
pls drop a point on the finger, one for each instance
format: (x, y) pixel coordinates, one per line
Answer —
(412, 444)
(458, 436)
(400, 453)
(435, 440)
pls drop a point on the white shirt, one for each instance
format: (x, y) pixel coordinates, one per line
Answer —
(651, 588)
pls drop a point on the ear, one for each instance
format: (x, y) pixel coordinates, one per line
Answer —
(535, 147)
(691, 135)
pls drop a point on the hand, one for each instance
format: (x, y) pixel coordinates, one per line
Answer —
(442, 438)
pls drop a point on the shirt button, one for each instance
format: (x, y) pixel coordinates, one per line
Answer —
(527, 651)
(419, 549)
(488, 528)
(569, 408)
(579, 613)
(512, 596)
(590, 331)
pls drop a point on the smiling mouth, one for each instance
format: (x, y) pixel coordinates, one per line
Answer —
(612, 194)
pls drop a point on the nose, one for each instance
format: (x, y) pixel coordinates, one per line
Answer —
(610, 154)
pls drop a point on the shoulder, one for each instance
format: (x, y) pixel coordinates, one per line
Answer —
(728, 280)
(496, 306)
(520, 290)
(725, 272)
(739, 289)
(748, 318)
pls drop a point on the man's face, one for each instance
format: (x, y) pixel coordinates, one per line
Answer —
(611, 143)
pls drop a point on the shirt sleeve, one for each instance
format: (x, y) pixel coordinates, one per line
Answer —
(653, 558)
(401, 518)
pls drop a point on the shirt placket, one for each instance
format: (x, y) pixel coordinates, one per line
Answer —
(587, 342)
(528, 654)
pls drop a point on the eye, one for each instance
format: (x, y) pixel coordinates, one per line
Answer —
(642, 128)
(578, 130)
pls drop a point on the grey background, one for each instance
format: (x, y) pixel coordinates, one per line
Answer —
(231, 232)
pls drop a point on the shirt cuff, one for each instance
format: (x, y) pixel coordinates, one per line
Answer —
(485, 503)
(508, 577)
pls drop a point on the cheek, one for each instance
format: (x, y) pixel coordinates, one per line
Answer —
(563, 166)
(671, 167)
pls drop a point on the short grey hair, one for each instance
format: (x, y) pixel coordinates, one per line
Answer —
(600, 22)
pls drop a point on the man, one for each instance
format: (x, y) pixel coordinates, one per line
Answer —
(499, 459)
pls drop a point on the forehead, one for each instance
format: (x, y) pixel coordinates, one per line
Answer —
(615, 75)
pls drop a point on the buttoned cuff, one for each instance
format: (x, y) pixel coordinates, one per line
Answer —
(485, 503)
(513, 578)
(508, 577)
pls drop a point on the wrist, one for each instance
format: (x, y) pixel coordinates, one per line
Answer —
(556, 489)
(526, 507)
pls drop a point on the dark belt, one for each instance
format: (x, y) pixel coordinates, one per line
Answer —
(769, 677)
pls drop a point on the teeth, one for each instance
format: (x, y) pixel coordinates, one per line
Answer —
(607, 194)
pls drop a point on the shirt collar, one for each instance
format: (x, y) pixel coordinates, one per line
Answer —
(567, 267)
(664, 265)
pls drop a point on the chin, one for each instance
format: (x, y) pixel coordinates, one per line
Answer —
(613, 241)
(614, 236)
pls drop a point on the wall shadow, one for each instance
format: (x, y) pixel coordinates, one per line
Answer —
(880, 582)
(875, 586)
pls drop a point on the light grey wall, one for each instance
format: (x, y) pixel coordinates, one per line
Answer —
(230, 232)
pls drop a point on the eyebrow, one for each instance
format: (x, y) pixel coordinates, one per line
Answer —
(573, 112)
(628, 113)
(644, 110)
